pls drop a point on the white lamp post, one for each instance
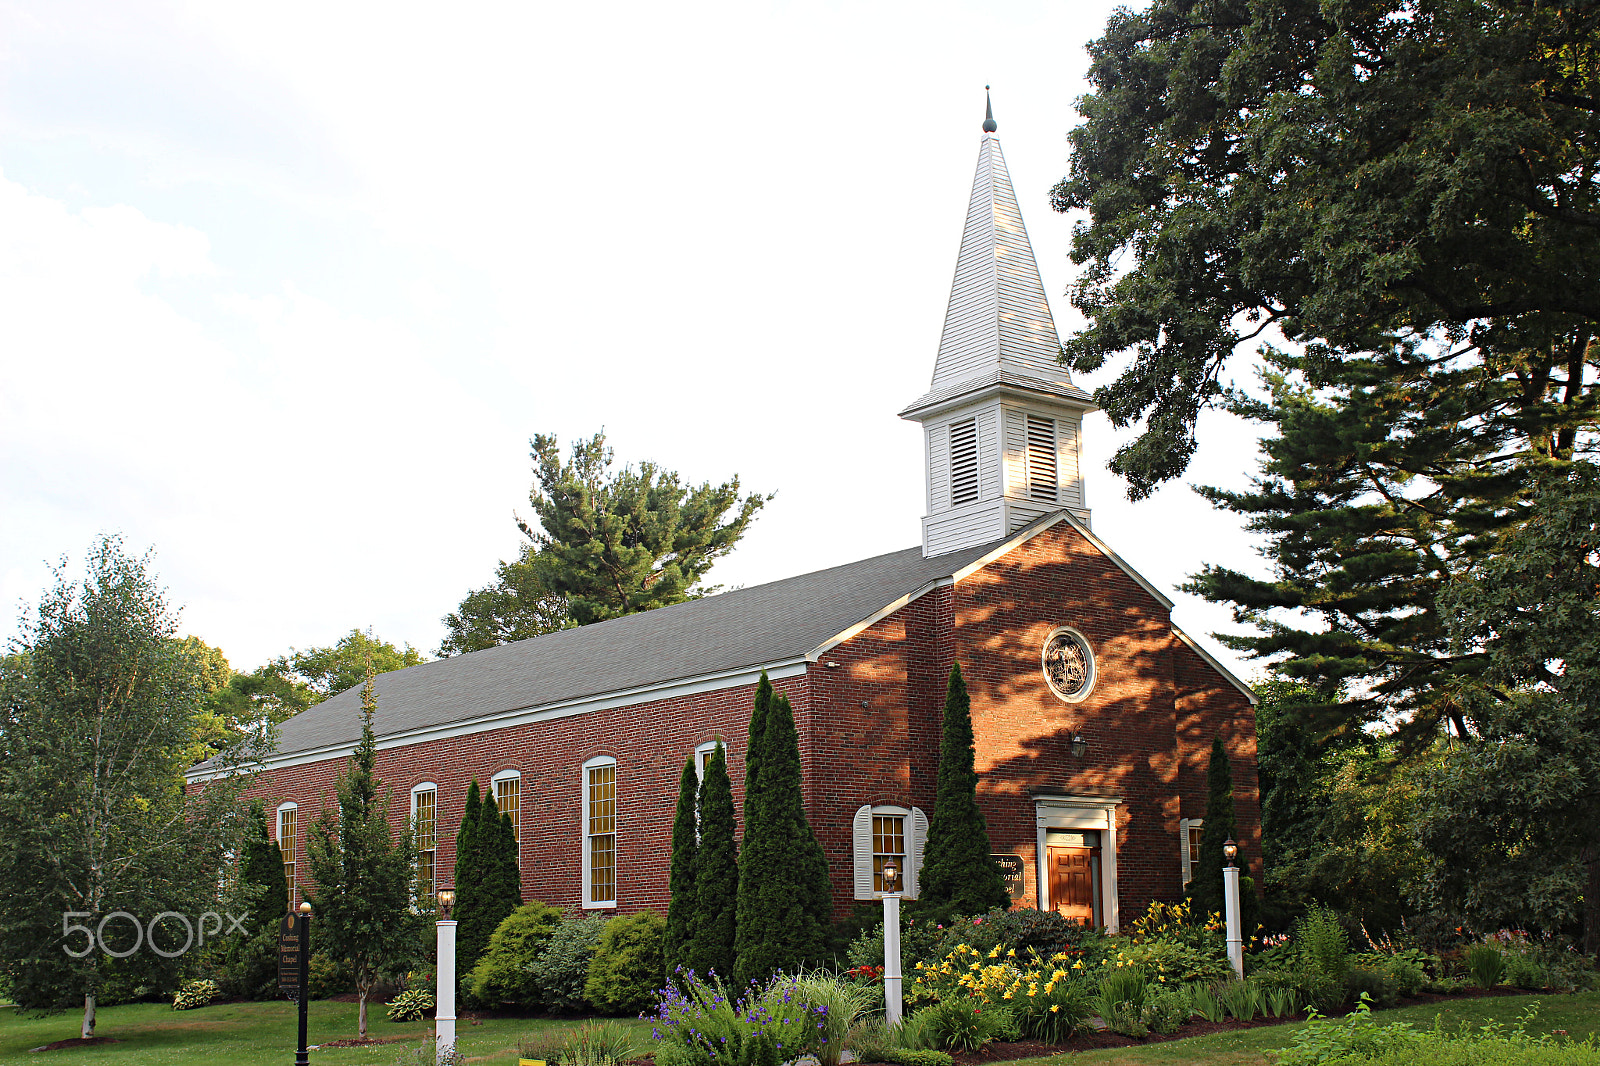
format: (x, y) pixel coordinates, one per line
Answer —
(1230, 899)
(891, 943)
(444, 1013)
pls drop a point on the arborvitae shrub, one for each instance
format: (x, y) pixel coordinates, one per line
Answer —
(626, 973)
(507, 973)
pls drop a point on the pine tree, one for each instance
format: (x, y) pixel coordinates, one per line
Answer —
(1205, 890)
(716, 875)
(683, 907)
(958, 875)
(783, 902)
(471, 935)
(364, 876)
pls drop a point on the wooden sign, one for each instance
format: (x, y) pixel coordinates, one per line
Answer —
(1012, 870)
(291, 941)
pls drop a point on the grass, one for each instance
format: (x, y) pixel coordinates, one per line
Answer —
(262, 1034)
(251, 1034)
(1578, 1014)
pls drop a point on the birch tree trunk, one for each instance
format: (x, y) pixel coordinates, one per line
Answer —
(88, 1015)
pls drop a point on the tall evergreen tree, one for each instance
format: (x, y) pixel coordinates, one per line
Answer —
(716, 875)
(782, 907)
(471, 936)
(364, 876)
(500, 884)
(958, 875)
(1205, 888)
(252, 959)
(683, 905)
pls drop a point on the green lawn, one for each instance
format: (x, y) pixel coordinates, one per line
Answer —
(249, 1034)
(262, 1034)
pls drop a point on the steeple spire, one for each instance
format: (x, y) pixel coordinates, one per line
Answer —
(1001, 416)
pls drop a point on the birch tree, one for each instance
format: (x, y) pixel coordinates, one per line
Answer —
(98, 703)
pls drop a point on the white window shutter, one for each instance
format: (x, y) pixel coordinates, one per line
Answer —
(861, 831)
(917, 836)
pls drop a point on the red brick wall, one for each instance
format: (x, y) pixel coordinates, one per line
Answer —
(869, 734)
(650, 742)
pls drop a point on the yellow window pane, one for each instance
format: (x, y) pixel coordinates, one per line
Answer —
(508, 800)
(287, 826)
(288, 879)
(425, 873)
(602, 800)
(602, 869)
(426, 818)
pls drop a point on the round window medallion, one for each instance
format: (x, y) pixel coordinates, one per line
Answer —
(1068, 664)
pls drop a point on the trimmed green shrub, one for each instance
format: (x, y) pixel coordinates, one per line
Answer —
(1486, 965)
(709, 950)
(1378, 985)
(1167, 1010)
(961, 1023)
(561, 972)
(1523, 970)
(507, 971)
(327, 976)
(625, 975)
(194, 994)
(412, 1005)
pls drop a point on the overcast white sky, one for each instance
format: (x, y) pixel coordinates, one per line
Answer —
(285, 288)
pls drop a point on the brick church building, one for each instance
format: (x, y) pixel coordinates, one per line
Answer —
(1093, 713)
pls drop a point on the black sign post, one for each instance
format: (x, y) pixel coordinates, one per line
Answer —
(1011, 869)
(294, 960)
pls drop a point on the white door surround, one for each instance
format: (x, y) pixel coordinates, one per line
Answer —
(1079, 812)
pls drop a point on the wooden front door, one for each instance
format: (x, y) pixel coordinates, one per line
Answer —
(1072, 872)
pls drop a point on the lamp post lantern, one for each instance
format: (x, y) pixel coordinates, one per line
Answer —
(891, 943)
(444, 1014)
(1230, 899)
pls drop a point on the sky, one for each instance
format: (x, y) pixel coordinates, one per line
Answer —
(286, 289)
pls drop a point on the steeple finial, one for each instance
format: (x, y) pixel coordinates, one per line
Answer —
(988, 113)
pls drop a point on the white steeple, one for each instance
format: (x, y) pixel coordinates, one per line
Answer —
(1002, 417)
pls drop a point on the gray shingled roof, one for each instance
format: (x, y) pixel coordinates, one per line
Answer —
(744, 628)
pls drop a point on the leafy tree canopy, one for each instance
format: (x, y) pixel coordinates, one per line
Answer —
(1513, 812)
(517, 605)
(1356, 176)
(98, 705)
(618, 542)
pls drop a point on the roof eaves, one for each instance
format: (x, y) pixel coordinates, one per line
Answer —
(1216, 665)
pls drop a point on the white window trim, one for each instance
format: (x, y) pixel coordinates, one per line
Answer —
(583, 834)
(1079, 812)
(916, 830)
(293, 856)
(1184, 825)
(1094, 669)
(494, 790)
(706, 749)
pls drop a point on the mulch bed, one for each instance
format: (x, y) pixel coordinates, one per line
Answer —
(77, 1041)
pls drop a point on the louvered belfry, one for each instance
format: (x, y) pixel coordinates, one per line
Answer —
(1002, 418)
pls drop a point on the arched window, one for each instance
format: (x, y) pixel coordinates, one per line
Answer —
(702, 755)
(600, 832)
(507, 791)
(425, 831)
(288, 843)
